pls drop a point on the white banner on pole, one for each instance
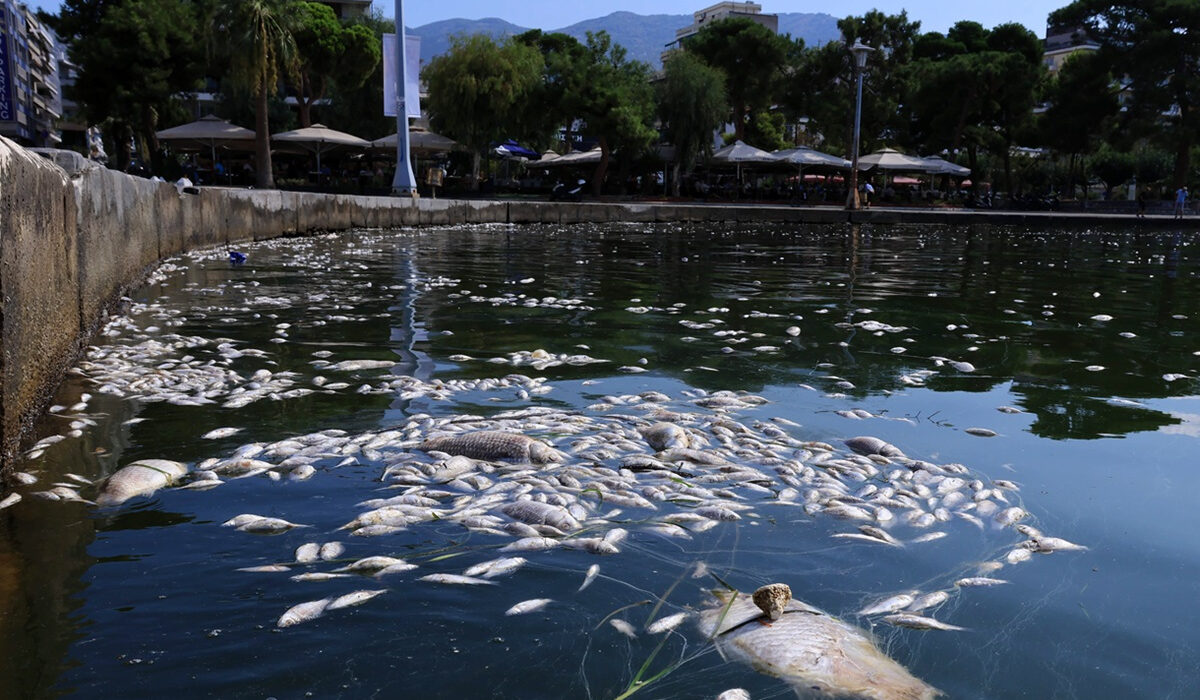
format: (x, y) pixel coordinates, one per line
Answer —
(413, 69)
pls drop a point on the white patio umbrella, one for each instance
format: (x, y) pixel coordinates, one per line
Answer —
(420, 142)
(573, 158)
(209, 131)
(941, 166)
(892, 160)
(807, 157)
(739, 154)
(318, 139)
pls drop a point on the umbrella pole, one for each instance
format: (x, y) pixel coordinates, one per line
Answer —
(318, 165)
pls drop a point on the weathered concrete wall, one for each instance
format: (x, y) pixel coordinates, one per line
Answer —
(73, 240)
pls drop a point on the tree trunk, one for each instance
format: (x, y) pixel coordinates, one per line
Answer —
(675, 177)
(601, 168)
(473, 186)
(264, 175)
(739, 121)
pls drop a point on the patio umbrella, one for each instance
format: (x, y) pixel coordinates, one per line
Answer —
(318, 139)
(209, 131)
(420, 142)
(511, 149)
(739, 154)
(893, 160)
(941, 166)
(573, 158)
(805, 157)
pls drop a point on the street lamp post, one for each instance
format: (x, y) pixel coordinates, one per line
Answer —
(403, 182)
(860, 51)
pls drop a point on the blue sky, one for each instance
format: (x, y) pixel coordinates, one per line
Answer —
(934, 15)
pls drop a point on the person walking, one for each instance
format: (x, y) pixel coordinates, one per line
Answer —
(1181, 196)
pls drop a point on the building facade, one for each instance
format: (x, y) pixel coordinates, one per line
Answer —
(722, 10)
(30, 90)
(1063, 42)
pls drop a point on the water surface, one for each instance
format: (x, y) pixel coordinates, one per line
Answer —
(145, 599)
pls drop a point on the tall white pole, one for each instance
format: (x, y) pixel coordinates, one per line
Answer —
(403, 183)
(852, 199)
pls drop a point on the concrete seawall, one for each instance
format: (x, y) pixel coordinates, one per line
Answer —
(74, 237)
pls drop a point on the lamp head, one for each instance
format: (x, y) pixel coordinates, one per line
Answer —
(860, 51)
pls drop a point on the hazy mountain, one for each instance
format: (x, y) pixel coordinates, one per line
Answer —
(644, 36)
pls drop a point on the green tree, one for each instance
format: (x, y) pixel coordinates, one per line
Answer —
(691, 105)
(133, 55)
(751, 56)
(1113, 167)
(257, 38)
(329, 52)
(359, 110)
(1156, 45)
(476, 88)
(616, 102)
(1082, 106)
(554, 102)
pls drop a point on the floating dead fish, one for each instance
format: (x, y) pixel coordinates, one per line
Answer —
(10, 500)
(928, 600)
(538, 513)
(531, 544)
(527, 606)
(919, 622)
(220, 433)
(978, 581)
(623, 627)
(358, 365)
(980, 432)
(668, 623)
(811, 651)
(734, 694)
(457, 579)
(492, 445)
(868, 445)
(371, 564)
(1046, 545)
(268, 526)
(318, 576)
(592, 572)
(304, 612)
(265, 569)
(308, 553)
(140, 478)
(664, 436)
(332, 550)
(354, 598)
(888, 605)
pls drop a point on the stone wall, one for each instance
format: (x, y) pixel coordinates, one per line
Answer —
(74, 237)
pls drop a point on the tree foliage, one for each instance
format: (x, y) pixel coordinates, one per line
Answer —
(691, 105)
(753, 59)
(476, 90)
(1156, 44)
(133, 56)
(257, 41)
(329, 53)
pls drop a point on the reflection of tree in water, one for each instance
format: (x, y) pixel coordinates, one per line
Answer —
(1067, 415)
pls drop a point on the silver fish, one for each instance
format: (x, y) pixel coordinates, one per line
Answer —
(265, 569)
(140, 478)
(592, 572)
(889, 604)
(268, 526)
(668, 623)
(919, 622)
(494, 445)
(220, 433)
(9, 500)
(528, 606)
(978, 581)
(457, 579)
(303, 612)
(928, 600)
(370, 564)
(623, 627)
(332, 550)
(354, 598)
(1046, 545)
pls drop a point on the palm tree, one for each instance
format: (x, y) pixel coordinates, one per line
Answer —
(258, 40)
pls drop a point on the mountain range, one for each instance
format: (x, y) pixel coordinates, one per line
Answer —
(643, 36)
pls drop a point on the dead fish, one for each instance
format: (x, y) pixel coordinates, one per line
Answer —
(735, 693)
(358, 365)
(303, 612)
(493, 445)
(538, 513)
(531, 544)
(868, 445)
(354, 598)
(980, 432)
(1008, 516)
(318, 576)
(919, 622)
(397, 568)
(308, 553)
(592, 572)
(1046, 545)
(457, 579)
(265, 569)
(928, 600)
(9, 500)
(370, 564)
(140, 478)
(889, 604)
(976, 581)
(268, 526)
(965, 367)
(496, 567)
(623, 627)
(1018, 555)
(332, 550)
(220, 433)
(527, 606)
(663, 436)
(24, 478)
(668, 623)
(809, 649)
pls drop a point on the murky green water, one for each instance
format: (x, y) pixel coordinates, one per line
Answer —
(145, 600)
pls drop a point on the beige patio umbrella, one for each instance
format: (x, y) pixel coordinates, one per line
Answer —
(208, 131)
(573, 158)
(420, 142)
(892, 160)
(318, 139)
(739, 154)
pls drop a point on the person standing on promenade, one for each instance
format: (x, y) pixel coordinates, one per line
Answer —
(1141, 204)
(1181, 196)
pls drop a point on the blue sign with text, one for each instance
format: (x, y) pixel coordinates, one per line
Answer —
(6, 104)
